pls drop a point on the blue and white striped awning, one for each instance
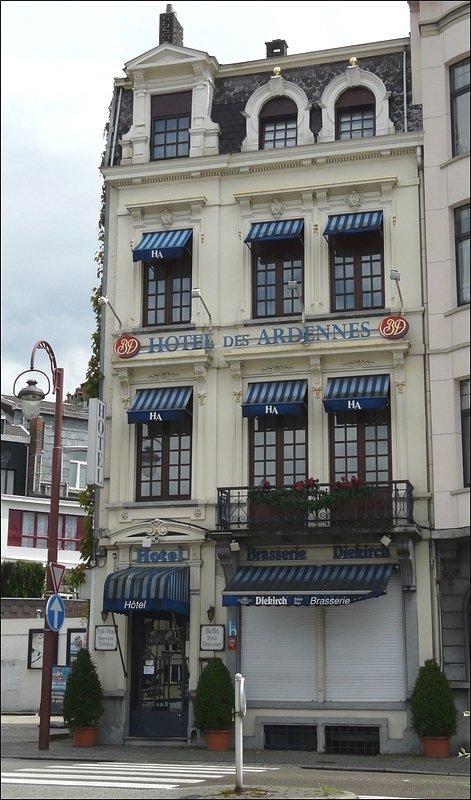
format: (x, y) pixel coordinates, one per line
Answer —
(275, 230)
(357, 393)
(276, 397)
(354, 223)
(162, 244)
(148, 589)
(306, 585)
(150, 405)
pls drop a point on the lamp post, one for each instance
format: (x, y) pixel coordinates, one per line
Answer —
(31, 397)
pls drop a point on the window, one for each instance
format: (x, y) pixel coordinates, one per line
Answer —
(278, 447)
(164, 459)
(357, 279)
(274, 264)
(278, 124)
(465, 426)
(462, 253)
(77, 474)
(30, 529)
(167, 292)
(170, 126)
(355, 114)
(360, 445)
(459, 91)
(8, 481)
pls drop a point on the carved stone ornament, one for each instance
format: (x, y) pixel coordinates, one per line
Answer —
(354, 199)
(166, 217)
(276, 208)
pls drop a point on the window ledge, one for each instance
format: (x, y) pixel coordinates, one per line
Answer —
(454, 159)
(456, 310)
(328, 317)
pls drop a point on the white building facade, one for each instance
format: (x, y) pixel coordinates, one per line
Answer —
(266, 487)
(441, 85)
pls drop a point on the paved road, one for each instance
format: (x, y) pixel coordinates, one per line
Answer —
(267, 774)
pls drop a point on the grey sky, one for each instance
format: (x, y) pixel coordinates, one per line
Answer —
(58, 65)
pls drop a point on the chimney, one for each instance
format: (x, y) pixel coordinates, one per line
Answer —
(277, 47)
(170, 29)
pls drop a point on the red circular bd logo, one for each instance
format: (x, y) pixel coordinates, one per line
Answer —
(126, 346)
(393, 327)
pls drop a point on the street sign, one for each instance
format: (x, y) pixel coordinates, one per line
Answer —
(57, 573)
(55, 612)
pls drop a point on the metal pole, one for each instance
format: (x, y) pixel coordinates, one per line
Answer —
(240, 709)
(49, 635)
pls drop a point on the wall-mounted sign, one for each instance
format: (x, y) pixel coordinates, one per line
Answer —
(126, 346)
(105, 637)
(146, 556)
(212, 637)
(361, 551)
(96, 442)
(393, 327)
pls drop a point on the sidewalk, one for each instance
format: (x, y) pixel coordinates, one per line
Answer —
(20, 740)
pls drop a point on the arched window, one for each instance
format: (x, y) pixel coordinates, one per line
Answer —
(278, 124)
(354, 105)
(282, 108)
(355, 114)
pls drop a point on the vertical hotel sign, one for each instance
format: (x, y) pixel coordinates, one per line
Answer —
(96, 442)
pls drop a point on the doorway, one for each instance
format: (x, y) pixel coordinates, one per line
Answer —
(159, 676)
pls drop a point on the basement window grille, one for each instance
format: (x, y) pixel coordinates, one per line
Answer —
(290, 737)
(359, 740)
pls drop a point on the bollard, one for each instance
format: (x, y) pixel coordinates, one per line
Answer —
(240, 709)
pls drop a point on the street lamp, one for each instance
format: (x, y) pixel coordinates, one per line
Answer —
(30, 398)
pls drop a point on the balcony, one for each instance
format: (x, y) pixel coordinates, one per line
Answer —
(250, 509)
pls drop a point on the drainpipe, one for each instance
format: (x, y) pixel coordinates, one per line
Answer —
(404, 89)
(115, 126)
(434, 599)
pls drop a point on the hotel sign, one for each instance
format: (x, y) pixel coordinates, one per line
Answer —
(127, 346)
(96, 442)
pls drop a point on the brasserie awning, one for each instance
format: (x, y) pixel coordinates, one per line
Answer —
(306, 585)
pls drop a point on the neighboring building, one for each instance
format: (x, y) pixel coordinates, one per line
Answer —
(22, 649)
(26, 480)
(441, 85)
(264, 263)
(26, 486)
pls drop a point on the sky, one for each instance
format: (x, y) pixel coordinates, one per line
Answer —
(58, 64)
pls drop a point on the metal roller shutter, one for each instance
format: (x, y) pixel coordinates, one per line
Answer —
(365, 649)
(279, 653)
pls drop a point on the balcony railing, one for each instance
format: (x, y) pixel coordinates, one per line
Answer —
(249, 508)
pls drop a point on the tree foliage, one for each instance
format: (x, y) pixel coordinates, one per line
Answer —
(83, 696)
(23, 579)
(213, 705)
(432, 703)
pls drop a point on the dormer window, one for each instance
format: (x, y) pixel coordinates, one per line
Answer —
(355, 114)
(170, 125)
(278, 124)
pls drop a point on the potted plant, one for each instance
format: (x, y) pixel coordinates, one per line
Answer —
(285, 506)
(293, 503)
(348, 499)
(433, 710)
(213, 706)
(83, 700)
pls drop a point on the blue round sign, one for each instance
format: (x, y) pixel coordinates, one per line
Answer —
(55, 612)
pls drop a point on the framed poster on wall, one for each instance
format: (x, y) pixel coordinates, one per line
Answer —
(35, 648)
(76, 640)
